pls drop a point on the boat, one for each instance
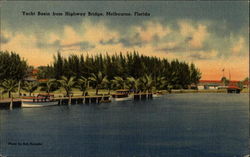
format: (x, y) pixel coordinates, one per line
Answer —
(122, 95)
(157, 94)
(41, 100)
(233, 89)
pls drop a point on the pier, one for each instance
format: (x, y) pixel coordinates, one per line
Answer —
(17, 103)
(143, 96)
(6, 104)
(82, 99)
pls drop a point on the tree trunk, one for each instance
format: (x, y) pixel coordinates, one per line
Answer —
(11, 103)
(19, 88)
(96, 92)
(69, 103)
(9, 94)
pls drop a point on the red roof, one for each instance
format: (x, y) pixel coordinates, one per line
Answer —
(233, 87)
(217, 81)
(234, 81)
(210, 81)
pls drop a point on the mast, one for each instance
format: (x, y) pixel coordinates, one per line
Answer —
(229, 75)
(223, 72)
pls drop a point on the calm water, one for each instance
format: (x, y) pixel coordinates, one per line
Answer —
(176, 125)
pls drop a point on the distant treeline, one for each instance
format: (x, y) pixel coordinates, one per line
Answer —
(175, 73)
(178, 74)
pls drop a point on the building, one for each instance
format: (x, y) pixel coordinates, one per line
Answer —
(216, 84)
(209, 84)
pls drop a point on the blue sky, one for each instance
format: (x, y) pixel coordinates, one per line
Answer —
(206, 33)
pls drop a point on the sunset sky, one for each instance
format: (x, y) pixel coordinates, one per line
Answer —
(212, 35)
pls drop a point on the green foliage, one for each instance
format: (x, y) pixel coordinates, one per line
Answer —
(175, 73)
(30, 87)
(246, 79)
(225, 81)
(160, 83)
(119, 82)
(195, 74)
(45, 72)
(108, 84)
(97, 80)
(12, 66)
(82, 84)
(146, 83)
(49, 86)
(240, 84)
(133, 84)
(9, 86)
(67, 84)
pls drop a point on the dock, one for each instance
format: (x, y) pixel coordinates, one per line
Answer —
(6, 103)
(17, 103)
(82, 99)
(143, 96)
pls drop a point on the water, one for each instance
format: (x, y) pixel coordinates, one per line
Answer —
(175, 125)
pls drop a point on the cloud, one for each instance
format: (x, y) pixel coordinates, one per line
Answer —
(44, 45)
(238, 46)
(124, 41)
(80, 46)
(95, 32)
(203, 55)
(26, 46)
(171, 47)
(191, 41)
(198, 37)
(57, 44)
(194, 34)
(109, 42)
(5, 37)
(151, 30)
(140, 35)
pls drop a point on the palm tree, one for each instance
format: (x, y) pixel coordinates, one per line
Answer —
(49, 86)
(82, 84)
(30, 87)
(108, 84)
(160, 83)
(119, 82)
(147, 83)
(67, 84)
(9, 86)
(133, 84)
(97, 80)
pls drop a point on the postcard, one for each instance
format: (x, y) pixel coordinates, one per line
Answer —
(124, 79)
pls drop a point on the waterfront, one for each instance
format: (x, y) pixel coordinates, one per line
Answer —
(185, 125)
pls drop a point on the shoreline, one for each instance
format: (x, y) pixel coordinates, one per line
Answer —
(59, 94)
(4, 103)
